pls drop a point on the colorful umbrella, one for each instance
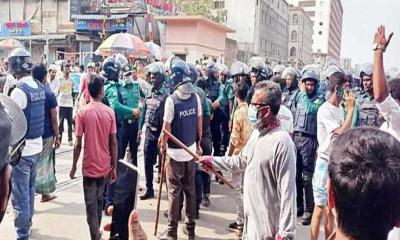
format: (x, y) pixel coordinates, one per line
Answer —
(10, 44)
(124, 43)
(156, 51)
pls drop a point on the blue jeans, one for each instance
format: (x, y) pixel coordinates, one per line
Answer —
(23, 194)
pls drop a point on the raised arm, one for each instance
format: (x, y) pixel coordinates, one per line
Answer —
(381, 90)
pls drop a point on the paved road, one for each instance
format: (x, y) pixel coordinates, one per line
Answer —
(64, 218)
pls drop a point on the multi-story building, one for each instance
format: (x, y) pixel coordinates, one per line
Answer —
(42, 26)
(261, 28)
(300, 37)
(327, 17)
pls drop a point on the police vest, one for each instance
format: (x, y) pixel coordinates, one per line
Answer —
(303, 121)
(184, 125)
(34, 111)
(155, 111)
(225, 101)
(369, 114)
(213, 90)
(290, 100)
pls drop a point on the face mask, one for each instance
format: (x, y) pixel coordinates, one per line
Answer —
(128, 80)
(252, 115)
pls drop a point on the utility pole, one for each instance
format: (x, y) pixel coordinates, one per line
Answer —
(9, 10)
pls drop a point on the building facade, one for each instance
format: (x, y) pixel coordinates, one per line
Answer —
(42, 26)
(262, 29)
(193, 38)
(327, 17)
(300, 37)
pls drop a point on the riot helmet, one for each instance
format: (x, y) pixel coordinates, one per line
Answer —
(180, 73)
(278, 70)
(111, 68)
(156, 72)
(20, 61)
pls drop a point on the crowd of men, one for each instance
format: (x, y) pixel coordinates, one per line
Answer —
(281, 132)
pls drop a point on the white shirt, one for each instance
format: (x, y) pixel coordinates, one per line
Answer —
(285, 116)
(10, 82)
(64, 97)
(329, 118)
(55, 85)
(390, 111)
(180, 155)
(32, 146)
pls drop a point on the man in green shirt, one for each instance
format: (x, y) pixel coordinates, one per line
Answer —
(131, 93)
(113, 98)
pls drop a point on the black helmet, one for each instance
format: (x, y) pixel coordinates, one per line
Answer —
(20, 61)
(194, 73)
(180, 73)
(157, 69)
(111, 68)
(211, 70)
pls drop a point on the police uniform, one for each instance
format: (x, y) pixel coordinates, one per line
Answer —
(368, 113)
(225, 101)
(23, 180)
(130, 96)
(214, 92)
(305, 139)
(181, 172)
(152, 116)
(291, 99)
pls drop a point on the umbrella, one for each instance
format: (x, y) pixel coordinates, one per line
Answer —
(124, 43)
(156, 51)
(10, 44)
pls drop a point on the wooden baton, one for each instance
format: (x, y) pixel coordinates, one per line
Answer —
(196, 157)
(163, 159)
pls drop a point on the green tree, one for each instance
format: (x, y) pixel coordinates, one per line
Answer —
(200, 7)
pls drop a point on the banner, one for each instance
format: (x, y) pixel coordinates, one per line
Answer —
(9, 29)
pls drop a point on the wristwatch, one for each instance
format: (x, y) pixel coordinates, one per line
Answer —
(378, 46)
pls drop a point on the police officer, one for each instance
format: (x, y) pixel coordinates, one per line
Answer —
(291, 77)
(278, 70)
(305, 139)
(131, 93)
(152, 116)
(214, 92)
(30, 96)
(368, 114)
(259, 72)
(113, 98)
(182, 113)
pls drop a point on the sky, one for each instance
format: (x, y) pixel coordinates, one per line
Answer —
(361, 19)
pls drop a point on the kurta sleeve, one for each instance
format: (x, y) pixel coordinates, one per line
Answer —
(233, 163)
(285, 157)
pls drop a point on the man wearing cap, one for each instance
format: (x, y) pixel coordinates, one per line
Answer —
(183, 118)
(131, 93)
(30, 96)
(10, 80)
(54, 82)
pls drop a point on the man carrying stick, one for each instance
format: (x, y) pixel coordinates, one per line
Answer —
(269, 160)
(181, 116)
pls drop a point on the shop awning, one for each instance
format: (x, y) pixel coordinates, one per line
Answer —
(98, 16)
(39, 37)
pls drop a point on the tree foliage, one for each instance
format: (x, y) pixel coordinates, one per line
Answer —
(201, 7)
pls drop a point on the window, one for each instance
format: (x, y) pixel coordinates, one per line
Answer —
(293, 36)
(320, 32)
(321, 23)
(293, 52)
(295, 18)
